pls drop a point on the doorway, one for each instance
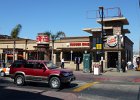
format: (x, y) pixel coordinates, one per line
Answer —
(111, 59)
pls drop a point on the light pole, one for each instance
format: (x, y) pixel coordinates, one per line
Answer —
(26, 40)
(102, 34)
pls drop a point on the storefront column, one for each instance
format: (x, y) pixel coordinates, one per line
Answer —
(105, 61)
(5, 58)
(16, 56)
(54, 58)
(25, 55)
(61, 55)
(119, 59)
(71, 54)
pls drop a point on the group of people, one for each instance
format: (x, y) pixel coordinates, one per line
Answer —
(77, 61)
(124, 65)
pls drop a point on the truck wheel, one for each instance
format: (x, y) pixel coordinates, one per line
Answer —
(2, 74)
(55, 83)
(19, 80)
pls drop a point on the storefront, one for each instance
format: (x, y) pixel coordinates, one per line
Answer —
(116, 45)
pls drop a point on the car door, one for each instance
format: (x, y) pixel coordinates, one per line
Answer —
(28, 70)
(40, 71)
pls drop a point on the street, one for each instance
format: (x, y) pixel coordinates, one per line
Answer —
(81, 89)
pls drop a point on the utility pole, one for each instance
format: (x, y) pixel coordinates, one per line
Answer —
(102, 35)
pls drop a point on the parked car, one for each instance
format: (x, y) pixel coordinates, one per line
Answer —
(40, 71)
(4, 71)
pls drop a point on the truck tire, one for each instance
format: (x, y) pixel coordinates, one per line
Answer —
(55, 83)
(19, 80)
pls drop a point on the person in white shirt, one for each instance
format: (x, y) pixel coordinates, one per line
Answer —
(62, 63)
(129, 64)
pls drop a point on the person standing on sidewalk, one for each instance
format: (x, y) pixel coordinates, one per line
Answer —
(62, 63)
(77, 61)
(123, 65)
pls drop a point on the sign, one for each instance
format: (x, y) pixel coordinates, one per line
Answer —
(78, 44)
(98, 46)
(42, 39)
(112, 41)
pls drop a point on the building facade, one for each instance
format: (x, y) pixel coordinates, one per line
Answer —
(117, 46)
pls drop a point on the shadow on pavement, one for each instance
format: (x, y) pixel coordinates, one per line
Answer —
(46, 85)
(9, 94)
(65, 86)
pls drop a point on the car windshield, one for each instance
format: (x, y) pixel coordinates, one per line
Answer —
(50, 65)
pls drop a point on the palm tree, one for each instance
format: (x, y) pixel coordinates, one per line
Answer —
(14, 35)
(53, 38)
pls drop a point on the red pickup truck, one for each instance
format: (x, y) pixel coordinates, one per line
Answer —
(40, 71)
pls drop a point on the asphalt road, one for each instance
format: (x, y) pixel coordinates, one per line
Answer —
(78, 90)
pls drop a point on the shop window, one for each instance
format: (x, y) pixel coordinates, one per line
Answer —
(96, 40)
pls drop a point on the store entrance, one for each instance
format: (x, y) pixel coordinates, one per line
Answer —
(111, 59)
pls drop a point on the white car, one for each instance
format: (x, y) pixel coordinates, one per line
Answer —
(4, 71)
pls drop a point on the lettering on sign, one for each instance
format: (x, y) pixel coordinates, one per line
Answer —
(79, 44)
(42, 39)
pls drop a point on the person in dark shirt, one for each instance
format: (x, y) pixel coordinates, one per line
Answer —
(123, 65)
(77, 61)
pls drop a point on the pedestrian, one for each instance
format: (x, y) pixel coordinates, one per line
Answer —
(123, 65)
(137, 61)
(77, 59)
(129, 65)
(62, 63)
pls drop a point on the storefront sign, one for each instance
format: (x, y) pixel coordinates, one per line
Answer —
(77, 44)
(112, 41)
(42, 39)
(98, 46)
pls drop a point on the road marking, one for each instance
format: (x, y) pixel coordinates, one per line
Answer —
(85, 86)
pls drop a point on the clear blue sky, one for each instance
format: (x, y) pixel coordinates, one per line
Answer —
(69, 16)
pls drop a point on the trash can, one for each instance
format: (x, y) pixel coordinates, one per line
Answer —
(96, 68)
(86, 63)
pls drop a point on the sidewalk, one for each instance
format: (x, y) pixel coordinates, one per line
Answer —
(110, 76)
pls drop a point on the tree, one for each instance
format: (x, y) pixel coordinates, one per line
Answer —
(14, 34)
(53, 38)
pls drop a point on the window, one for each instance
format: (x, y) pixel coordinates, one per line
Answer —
(18, 64)
(29, 65)
(96, 40)
(38, 65)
